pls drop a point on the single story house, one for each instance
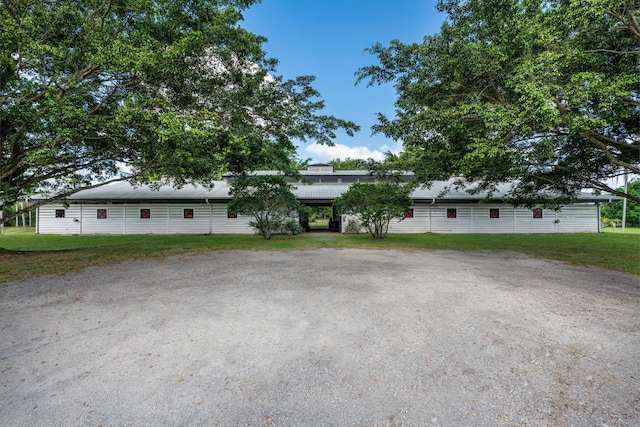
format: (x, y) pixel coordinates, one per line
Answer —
(120, 208)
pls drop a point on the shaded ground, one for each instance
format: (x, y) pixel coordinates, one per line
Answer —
(348, 337)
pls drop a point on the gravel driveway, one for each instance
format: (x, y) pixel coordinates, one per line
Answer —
(328, 337)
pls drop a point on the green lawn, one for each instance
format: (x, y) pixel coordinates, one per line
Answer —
(26, 253)
(618, 230)
(319, 224)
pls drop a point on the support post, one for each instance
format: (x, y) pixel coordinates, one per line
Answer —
(624, 202)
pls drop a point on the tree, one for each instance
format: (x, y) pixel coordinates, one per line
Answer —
(541, 93)
(350, 164)
(269, 200)
(93, 91)
(375, 205)
(614, 210)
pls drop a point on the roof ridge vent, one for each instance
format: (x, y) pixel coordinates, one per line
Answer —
(320, 167)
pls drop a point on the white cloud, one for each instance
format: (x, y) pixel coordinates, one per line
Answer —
(325, 153)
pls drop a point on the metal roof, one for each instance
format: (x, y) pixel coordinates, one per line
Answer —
(124, 191)
(325, 192)
(334, 174)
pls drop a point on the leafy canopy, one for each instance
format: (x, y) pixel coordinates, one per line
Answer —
(375, 205)
(543, 93)
(269, 200)
(93, 91)
(614, 210)
(351, 164)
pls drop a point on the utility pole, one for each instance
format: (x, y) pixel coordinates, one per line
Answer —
(624, 201)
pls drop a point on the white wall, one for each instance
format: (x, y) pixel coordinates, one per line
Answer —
(463, 223)
(578, 219)
(525, 223)
(427, 218)
(113, 224)
(47, 223)
(418, 224)
(169, 219)
(224, 225)
(199, 224)
(125, 219)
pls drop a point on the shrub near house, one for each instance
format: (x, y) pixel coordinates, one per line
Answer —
(269, 200)
(375, 205)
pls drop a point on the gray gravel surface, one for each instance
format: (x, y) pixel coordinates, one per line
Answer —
(328, 337)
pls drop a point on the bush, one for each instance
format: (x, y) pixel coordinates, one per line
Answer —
(353, 227)
(375, 205)
(291, 227)
(606, 222)
(269, 200)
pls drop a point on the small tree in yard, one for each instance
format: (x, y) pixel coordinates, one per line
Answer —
(375, 205)
(269, 200)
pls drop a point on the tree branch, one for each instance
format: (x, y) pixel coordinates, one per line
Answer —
(589, 136)
(62, 195)
(601, 186)
(482, 93)
(631, 101)
(632, 24)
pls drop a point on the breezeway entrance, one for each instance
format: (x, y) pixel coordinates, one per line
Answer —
(322, 217)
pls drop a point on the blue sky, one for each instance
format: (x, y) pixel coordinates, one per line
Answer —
(326, 39)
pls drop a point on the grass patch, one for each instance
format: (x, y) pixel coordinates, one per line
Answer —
(27, 254)
(319, 224)
(618, 230)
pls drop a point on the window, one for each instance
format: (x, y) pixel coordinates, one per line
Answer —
(145, 213)
(537, 213)
(232, 215)
(494, 213)
(408, 213)
(188, 213)
(60, 213)
(452, 213)
(101, 214)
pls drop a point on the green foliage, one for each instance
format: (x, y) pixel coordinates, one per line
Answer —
(291, 227)
(98, 90)
(350, 164)
(375, 205)
(608, 222)
(613, 211)
(269, 200)
(353, 227)
(545, 94)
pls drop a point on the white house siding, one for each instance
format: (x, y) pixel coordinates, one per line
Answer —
(199, 224)
(47, 222)
(169, 219)
(158, 223)
(125, 219)
(224, 225)
(418, 224)
(579, 219)
(526, 223)
(112, 224)
(463, 223)
(475, 219)
(483, 224)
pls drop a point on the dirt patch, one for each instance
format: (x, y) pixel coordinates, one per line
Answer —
(327, 337)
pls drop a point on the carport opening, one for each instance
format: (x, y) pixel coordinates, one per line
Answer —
(321, 218)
